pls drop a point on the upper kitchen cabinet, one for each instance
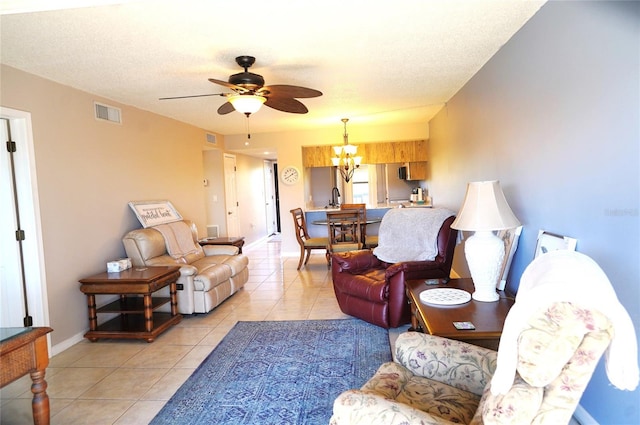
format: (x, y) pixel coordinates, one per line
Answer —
(414, 171)
(371, 153)
(317, 156)
(415, 151)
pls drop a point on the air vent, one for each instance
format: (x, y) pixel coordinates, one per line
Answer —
(108, 113)
(211, 139)
(213, 231)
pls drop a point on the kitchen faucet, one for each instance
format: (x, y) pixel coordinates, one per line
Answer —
(335, 197)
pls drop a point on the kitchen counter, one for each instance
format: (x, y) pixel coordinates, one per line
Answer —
(320, 214)
(404, 204)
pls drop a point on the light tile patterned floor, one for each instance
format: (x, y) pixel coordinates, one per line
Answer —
(128, 382)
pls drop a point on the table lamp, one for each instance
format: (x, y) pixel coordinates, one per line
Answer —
(484, 211)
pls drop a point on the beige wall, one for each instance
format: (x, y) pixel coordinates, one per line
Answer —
(87, 171)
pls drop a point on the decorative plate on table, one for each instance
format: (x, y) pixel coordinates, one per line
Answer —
(445, 296)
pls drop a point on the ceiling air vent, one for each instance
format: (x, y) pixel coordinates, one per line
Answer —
(211, 139)
(108, 113)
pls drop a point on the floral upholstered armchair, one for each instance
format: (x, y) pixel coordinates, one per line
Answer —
(435, 380)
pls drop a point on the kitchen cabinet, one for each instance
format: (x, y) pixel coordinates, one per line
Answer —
(416, 170)
(317, 156)
(371, 153)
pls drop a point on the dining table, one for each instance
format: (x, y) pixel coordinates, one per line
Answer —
(324, 222)
(363, 223)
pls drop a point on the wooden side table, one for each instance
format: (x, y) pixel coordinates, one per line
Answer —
(487, 317)
(137, 319)
(22, 351)
(233, 240)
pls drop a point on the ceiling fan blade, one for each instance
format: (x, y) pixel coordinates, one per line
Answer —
(286, 104)
(238, 89)
(195, 95)
(226, 108)
(284, 90)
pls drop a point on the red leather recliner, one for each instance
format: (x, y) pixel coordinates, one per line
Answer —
(374, 291)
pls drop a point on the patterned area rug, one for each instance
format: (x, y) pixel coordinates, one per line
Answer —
(284, 372)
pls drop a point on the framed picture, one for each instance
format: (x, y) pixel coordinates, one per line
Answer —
(152, 213)
(551, 242)
(510, 238)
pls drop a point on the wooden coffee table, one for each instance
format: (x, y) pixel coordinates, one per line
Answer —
(487, 317)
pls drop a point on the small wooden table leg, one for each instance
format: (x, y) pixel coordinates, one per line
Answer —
(40, 402)
(174, 298)
(148, 313)
(93, 317)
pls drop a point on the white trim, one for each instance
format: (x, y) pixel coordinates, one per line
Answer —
(258, 243)
(583, 417)
(67, 343)
(30, 212)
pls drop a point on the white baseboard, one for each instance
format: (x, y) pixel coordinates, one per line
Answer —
(67, 343)
(259, 242)
(582, 417)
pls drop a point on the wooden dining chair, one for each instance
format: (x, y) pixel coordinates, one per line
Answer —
(344, 229)
(302, 236)
(367, 241)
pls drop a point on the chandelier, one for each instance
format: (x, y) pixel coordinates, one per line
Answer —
(345, 158)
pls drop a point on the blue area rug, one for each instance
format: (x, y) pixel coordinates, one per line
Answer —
(285, 372)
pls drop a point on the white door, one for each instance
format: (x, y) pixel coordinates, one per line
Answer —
(12, 303)
(231, 195)
(269, 198)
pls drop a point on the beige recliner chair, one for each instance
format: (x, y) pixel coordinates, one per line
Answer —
(208, 275)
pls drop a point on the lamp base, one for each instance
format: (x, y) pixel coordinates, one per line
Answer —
(484, 252)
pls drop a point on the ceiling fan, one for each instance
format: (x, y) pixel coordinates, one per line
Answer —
(249, 93)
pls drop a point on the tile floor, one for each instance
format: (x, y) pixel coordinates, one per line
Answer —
(127, 382)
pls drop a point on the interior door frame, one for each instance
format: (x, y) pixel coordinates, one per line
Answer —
(29, 210)
(231, 195)
(270, 197)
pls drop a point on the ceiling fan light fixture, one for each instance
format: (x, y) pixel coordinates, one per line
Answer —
(246, 103)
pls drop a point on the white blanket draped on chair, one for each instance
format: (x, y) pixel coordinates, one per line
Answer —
(410, 234)
(572, 277)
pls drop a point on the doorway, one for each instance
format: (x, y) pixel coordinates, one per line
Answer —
(276, 188)
(270, 198)
(231, 195)
(23, 294)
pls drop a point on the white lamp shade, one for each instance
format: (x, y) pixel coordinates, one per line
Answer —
(485, 208)
(350, 149)
(246, 103)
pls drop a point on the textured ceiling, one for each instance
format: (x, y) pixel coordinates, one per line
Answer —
(376, 61)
